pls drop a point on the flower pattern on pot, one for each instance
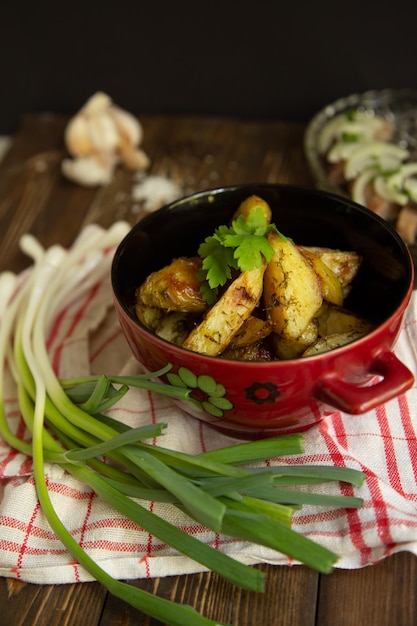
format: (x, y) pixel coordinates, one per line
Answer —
(206, 393)
(262, 393)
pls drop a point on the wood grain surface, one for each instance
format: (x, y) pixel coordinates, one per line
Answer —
(198, 153)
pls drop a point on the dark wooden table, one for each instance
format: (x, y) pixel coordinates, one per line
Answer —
(198, 153)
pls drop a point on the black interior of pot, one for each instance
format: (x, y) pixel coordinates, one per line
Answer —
(309, 217)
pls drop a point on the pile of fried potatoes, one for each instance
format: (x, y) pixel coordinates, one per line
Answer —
(290, 307)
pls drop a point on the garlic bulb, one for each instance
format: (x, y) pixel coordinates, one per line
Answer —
(100, 136)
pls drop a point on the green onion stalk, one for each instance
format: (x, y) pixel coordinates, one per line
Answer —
(224, 490)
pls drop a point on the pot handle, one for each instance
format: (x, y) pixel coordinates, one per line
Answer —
(351, 398)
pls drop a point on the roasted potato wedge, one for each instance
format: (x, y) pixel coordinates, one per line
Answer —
(149, 316)
(324, 344)
(331, 287)
(221, 323)
(335, 320)
(251, 203)
(292, 291)
(288, 348)
(253, 329)
(259, 352)
(345, 265)
(175, 287)
(174, 327)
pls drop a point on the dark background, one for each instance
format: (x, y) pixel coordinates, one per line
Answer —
(261, 59)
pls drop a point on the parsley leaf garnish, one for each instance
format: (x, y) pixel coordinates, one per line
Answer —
(240, 246)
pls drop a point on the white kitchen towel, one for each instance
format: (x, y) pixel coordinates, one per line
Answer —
(87, 338)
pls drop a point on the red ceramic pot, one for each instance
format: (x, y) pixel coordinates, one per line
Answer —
(253, 400)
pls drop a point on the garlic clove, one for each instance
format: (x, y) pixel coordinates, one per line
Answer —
(77, 137)
(102, 132)
(89, 170)
(128, 125)
(97, 103)
(134, 158)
